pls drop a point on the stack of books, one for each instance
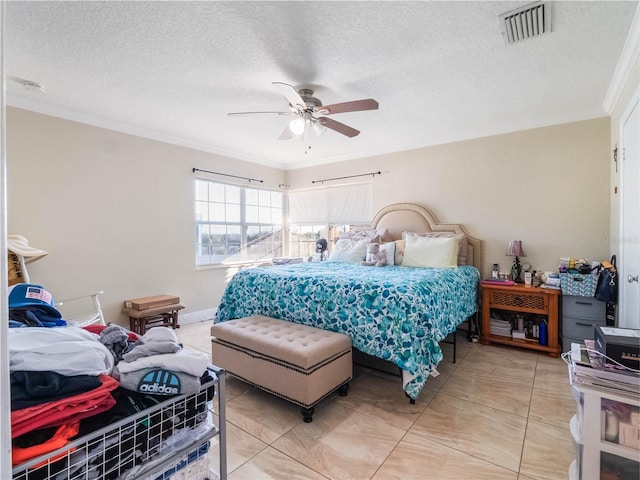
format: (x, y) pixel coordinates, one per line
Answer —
(500, 327)
(588, 367)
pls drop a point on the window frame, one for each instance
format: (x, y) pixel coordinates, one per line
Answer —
(241, 228)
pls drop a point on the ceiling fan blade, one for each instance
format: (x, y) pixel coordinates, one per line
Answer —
(291, 94)
(338, 127)
(354, 106)
(232, 114)
(287, 134)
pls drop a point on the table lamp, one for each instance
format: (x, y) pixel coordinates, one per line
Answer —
(515, 250)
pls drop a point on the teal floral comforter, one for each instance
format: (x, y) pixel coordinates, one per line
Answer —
(396, 313)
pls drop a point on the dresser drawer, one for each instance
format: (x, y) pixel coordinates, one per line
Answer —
(583, 307)
(579, 328)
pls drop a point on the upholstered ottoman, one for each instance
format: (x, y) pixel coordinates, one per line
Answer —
(299, 363)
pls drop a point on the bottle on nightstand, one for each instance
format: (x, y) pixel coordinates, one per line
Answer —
(494, 271)
(543, 333)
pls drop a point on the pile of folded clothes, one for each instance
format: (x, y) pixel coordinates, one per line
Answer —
(68, 382)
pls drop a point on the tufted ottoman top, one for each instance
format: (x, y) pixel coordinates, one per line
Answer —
(299, 345)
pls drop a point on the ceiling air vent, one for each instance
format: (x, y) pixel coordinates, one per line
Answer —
(526, 22)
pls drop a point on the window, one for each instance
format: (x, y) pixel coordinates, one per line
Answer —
(326, 213)
(236, 224)
(302, 238)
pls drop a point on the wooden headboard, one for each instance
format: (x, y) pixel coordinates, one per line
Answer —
(400, 217)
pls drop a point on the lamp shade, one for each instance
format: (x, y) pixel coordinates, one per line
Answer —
(515, 249)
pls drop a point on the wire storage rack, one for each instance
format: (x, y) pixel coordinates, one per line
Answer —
(168, 441)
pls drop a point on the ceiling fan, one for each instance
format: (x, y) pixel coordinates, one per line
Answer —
(309, 111)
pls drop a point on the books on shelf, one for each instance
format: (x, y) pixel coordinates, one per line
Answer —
(500, 327)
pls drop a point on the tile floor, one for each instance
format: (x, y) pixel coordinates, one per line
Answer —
(497, 413)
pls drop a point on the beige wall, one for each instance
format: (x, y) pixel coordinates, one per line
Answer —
(115, 211)
(547, 187)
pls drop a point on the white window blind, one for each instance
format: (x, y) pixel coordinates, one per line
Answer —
(346, 204)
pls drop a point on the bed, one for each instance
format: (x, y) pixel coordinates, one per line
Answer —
(396, 313)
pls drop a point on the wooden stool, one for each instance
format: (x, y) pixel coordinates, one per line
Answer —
(165, 316)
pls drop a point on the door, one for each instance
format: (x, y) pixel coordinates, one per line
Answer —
(629, 261)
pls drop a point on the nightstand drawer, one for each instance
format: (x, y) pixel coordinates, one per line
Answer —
(583, 307)
(520, 299)
(579, 327)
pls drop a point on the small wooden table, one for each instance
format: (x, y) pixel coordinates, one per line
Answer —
(525, 300)
(166, 316)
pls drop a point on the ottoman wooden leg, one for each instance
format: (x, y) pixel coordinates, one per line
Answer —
(342, 391)
(307, 414)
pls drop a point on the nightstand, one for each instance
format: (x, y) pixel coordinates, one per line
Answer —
(532, 303)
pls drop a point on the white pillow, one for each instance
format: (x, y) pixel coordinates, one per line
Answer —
(399, 249)
(463, 244)
(430, 252)
(346, 250)
(388, 250)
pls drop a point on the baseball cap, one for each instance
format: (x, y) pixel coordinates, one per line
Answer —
(22, 295)
(19, 245)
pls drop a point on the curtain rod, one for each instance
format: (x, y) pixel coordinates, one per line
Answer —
(373, 174)
(194, 170)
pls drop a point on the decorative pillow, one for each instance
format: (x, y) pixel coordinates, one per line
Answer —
(388, 250)
(346, 250)
(430, 252)
(463, 244)
(380, 235)
(399, 252)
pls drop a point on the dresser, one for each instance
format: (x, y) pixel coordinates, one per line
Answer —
(579, 317)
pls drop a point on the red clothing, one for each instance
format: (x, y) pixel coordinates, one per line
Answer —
(60, 438)
(66, 410)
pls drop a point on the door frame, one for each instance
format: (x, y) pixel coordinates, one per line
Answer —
(634, 103)
(5, 386)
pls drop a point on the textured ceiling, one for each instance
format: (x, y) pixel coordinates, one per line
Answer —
(440, 70)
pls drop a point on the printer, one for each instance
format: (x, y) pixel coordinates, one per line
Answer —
(619, 344)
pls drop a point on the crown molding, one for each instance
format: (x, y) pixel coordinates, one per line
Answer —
(628, 57)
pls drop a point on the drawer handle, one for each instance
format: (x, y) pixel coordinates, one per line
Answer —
(584, 324)
(584, 303)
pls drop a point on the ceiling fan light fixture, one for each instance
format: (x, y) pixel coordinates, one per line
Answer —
(297, 126)
(318, 129)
